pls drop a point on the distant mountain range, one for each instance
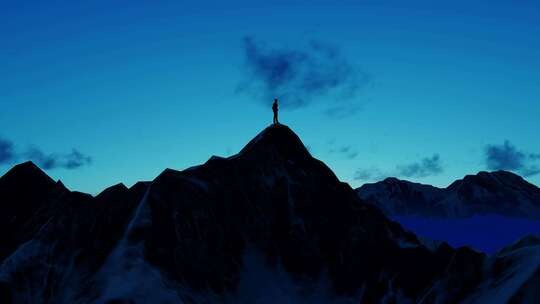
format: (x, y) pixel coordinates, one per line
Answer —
(270, 224)
(500, 192)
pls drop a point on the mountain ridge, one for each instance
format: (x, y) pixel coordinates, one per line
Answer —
(498, 192)
(188, 236)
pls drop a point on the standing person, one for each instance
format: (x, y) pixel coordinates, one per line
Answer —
(275, 109)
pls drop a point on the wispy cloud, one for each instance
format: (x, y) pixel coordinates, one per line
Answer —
(427, 166)
(503, 156)
(369, 174)
(70, 161)
(342, 110)
(534, 156)
(73, 160)
(45, 161)
(301, 76)
(7, 155)
(507, 157)
(347, 151)
(76, 159)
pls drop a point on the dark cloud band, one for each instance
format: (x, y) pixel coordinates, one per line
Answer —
(299, 77)
(347, 151)
(427, 166)
(72, 160)
(507, 157)
(7, 155)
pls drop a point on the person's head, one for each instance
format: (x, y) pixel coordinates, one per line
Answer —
(275, 100)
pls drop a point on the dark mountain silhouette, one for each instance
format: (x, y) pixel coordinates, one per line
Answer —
(499, 192)
(270, 224)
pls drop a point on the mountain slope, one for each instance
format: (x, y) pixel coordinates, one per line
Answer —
(512, 275)
(499, 192)
(270, 196)
(62, 236)
(269, 223)
(27, 197)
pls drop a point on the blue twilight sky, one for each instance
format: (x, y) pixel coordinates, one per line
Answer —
(435, 90)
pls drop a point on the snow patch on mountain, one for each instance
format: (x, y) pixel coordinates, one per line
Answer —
(24, 260)
(127, 275)
(263, 283)
(520, 265)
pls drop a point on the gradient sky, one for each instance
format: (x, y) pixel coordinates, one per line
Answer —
(140, 86)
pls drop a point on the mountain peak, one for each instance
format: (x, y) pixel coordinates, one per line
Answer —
(494, 180)
(116, 190)
(498, 192)
(511, 178)
(276, 138)
(28, 166)
(27, 173)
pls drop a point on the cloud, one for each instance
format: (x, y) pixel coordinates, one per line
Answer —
(371, 174)
(508, 157)
(352, 155)
(347, 151)
(534, 156)
(530, 171)
(73, 160)
(45, 161)
(76, 160)
(7, 155)
(300, 77)
(425, 167)
(342, 111)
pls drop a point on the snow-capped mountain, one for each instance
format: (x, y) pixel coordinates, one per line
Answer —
(271, 224)
(499, 192)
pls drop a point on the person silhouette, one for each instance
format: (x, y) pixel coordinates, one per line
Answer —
(275, 110)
